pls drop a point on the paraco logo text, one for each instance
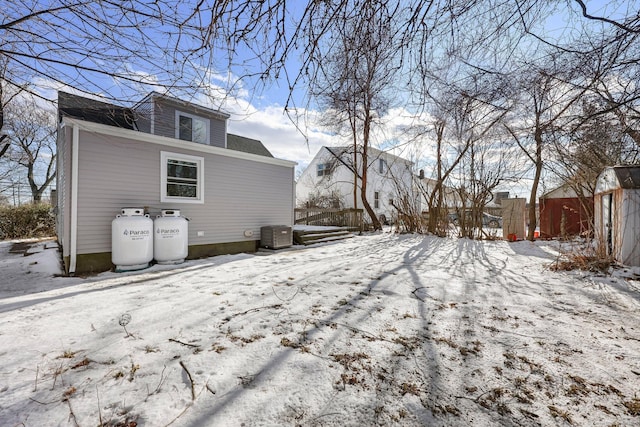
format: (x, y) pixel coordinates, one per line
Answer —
(136, 232)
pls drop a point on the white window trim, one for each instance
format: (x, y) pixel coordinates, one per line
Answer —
(193, 117)
(164, 157)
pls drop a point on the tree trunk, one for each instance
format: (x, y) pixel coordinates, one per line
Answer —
(355, 169)
(435, 210)
(534, 186)
(363, 192)
(365, 169)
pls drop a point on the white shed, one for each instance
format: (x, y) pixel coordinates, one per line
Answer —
(617, 213)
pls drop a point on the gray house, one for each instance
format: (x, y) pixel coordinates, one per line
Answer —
(111, 157)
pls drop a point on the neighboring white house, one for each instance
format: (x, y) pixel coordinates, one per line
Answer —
(332, 173)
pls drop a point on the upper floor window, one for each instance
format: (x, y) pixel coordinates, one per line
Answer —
(192, 128)
(182, 178)
(323, 169)
(382, 165)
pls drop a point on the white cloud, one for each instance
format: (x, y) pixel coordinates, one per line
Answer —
(279, 134)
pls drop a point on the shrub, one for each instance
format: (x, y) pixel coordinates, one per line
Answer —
(582, 257)
(27, 221)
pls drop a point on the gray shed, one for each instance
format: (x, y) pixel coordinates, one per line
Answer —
(617, 213)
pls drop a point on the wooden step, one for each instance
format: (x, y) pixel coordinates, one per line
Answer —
(311, 235)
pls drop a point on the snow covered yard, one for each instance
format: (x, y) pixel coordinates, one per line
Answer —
(378, 330)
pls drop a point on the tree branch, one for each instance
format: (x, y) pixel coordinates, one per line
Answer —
(606, 20)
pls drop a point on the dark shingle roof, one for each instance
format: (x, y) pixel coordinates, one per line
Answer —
(247, 145)
(95, 111)
(628, 176)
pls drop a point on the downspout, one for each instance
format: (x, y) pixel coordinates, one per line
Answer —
(73, 232)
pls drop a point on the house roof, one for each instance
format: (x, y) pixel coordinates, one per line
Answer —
(91, 110)
(373, 153)
(337, 152)
(564, 191)
(78, 107)
(247, 145)
(628, 176)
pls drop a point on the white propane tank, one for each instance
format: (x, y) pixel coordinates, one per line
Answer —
(131, 240)
(171, 237)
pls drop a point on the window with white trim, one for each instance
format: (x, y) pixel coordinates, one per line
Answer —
(181, 178)
(376, 200)
(192, 128)
(324, 169)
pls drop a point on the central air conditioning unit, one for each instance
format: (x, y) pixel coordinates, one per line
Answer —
(276, 236)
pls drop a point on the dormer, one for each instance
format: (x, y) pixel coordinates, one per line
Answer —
(171, 117)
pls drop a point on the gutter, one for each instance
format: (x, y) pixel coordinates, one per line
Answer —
(73, 232)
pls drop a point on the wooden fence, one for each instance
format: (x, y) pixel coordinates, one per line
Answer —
(351, 218)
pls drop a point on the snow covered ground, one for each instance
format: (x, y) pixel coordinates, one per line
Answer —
(381, 329)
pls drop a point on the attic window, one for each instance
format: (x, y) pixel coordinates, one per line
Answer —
(324, 169)
(192, 128)
(182, 178)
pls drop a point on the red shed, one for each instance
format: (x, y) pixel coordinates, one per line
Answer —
(564, 214)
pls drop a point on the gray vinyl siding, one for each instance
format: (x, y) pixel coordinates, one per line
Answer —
(239, 194)
(165, 121)
(219, 133)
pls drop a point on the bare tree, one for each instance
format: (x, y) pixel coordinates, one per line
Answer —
(353, 78)
(31, 133)
(481, 164)
(579, 156)
(545, 102)
(104, 46)
(7, 93)
(583, 153)
(448, 154)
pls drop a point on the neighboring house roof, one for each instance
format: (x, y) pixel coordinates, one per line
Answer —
(373, 154)
(564, 191)
(247, 145)
(95, 111)
(337, 152)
